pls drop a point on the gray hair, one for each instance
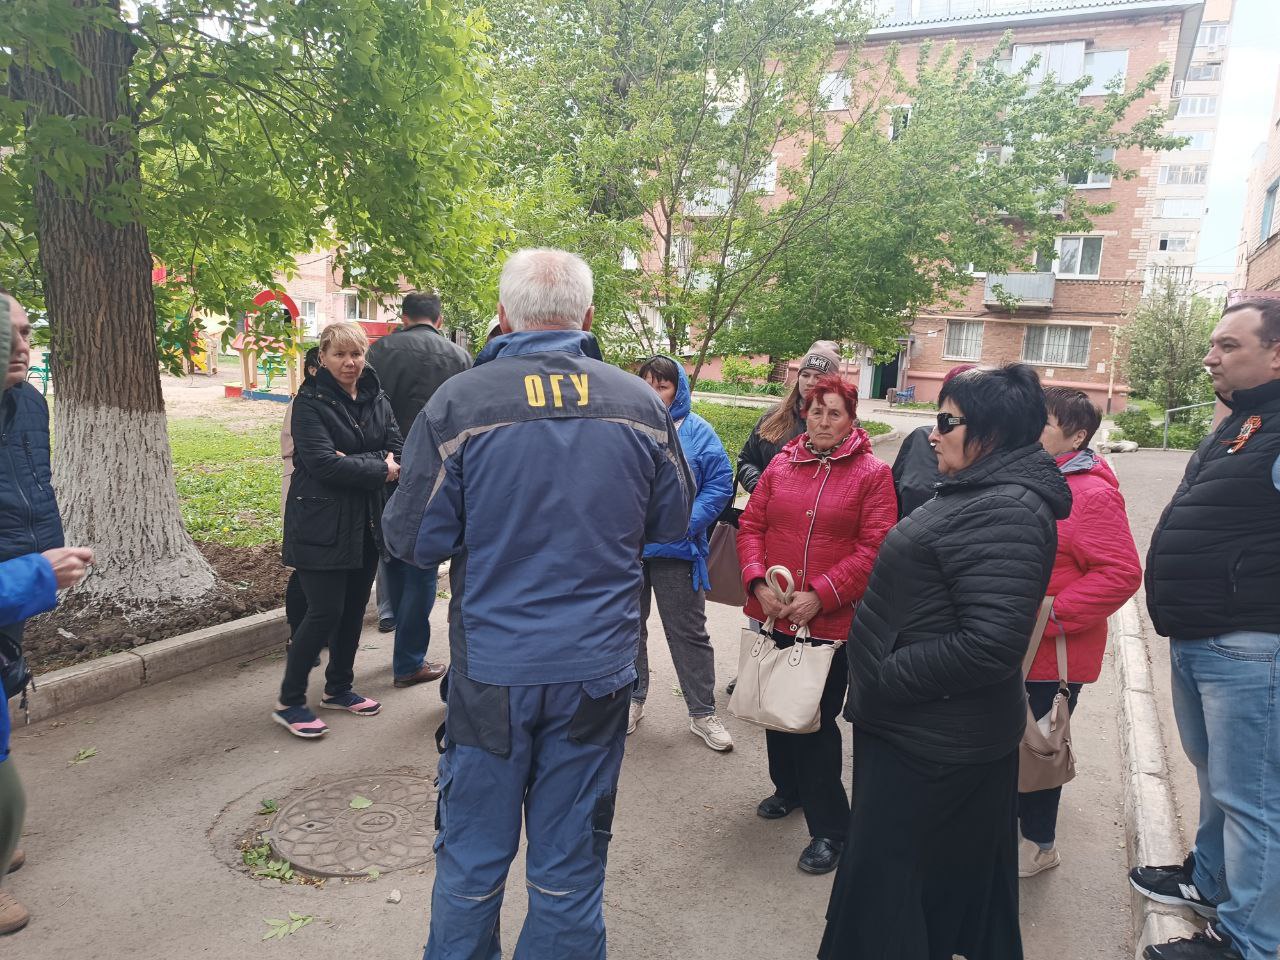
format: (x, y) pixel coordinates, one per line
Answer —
(542, 288)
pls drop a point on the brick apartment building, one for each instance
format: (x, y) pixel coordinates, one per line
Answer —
(1069, 316)
(1260, 234)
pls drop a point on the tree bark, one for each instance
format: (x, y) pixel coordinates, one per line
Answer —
(112, 464)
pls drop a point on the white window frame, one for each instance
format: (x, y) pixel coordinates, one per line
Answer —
(362, 303)
(893, 131)
(965, 340)
(1198, 105)
(766, 181)
(1046, 361)
(1215, 67)
(1212, 34)
(310, 317)
(1064, 60)
(629, 260)
(1062, 241)
(1201, 140)
(834, 90)
(1095, 179)
(1098, 83)
(1185, 241)
(1186, 203)
(1184, 174)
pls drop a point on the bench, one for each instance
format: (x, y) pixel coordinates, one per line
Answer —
(903, 395)
(41, 374)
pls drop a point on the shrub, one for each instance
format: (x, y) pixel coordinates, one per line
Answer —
(1137, 426)
(740, 371)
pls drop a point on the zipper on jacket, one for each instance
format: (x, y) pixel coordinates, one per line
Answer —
(824, 465)
(31, 462)
(26, 502)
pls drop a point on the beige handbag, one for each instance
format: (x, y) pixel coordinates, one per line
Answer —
(1046, 758)
(780, 688)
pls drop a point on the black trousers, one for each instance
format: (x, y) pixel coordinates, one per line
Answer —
(295, 602)
(806, 767)
(336, 600)
(1038, 811)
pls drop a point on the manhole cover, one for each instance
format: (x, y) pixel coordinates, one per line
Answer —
(322, 833)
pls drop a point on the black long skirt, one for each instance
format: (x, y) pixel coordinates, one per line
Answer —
(930, 869)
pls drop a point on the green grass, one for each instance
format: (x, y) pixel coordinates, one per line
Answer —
(228, 482)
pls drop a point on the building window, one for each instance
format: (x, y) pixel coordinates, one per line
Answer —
(1184, 174)
(963, 340)
(1057, 346)
(1180, 208)
(629, 259)
(1093, 178)
(308, 313)
(1103, 68)
(834, 91)
(358, 308)
(1078, 257)
(899, 120)
(766, 181)
(1212, 35)
(1204, 71)
(1175, 242)
(1063, 61)
(1269, 212)
(1198, 107)
(1199, 140)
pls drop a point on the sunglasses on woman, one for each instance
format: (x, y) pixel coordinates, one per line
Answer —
(947, 422)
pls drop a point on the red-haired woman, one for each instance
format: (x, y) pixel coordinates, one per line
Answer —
(821, 509)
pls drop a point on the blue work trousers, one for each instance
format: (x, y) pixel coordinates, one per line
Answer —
(548, 756)
(412, 592)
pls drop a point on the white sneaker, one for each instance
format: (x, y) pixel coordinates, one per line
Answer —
(712, 730)
(1033, 860)
(634, 716)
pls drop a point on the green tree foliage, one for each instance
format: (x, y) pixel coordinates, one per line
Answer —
(1167, 339)
(251, 131)
(667, 115)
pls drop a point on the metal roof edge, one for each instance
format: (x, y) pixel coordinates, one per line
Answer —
(1094, 11)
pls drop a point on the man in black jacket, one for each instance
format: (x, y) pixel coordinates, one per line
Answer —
(1212, 577)
(412, 363)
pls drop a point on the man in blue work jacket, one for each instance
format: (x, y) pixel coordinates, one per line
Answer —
(541, 472)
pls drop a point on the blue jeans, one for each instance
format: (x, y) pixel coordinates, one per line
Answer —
(412, 592)
(1226, 697)
(548, 756)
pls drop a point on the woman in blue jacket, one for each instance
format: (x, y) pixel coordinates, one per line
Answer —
(676, 572)
(29, 585)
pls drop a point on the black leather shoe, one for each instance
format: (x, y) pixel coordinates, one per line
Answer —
(386, 625)
(731, 685)
(776, 807)
(820, 856)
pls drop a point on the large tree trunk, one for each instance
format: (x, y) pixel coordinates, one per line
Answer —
(112, 464)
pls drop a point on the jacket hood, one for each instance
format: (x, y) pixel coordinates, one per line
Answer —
(684, 399)
(1029, 466)
(1086, 461)
(367, 387)
(856, 442)
(540, 341)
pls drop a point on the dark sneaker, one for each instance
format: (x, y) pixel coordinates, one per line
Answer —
(776, 807)
(301, 722)
(1212, 944)
(820, 856)
(386, 625)
(1172, 885)
(731, 686)
(352, 703)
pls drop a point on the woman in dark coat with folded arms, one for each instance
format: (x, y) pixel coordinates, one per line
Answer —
(936, 695)
(346, 446)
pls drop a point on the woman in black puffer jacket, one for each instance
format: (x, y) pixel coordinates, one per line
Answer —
(346, 446)
(936, 695)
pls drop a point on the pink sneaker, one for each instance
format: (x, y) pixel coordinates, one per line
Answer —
(301, 722)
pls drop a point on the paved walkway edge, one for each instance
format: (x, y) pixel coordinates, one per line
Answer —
(1151, 821)
(105, 678)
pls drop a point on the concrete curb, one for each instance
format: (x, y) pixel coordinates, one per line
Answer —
(105, 678)
(1151, 820)
(885, 437)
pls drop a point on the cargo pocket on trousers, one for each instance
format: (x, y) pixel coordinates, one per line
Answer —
(478, 715)
(599, 720)
(602, 825)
